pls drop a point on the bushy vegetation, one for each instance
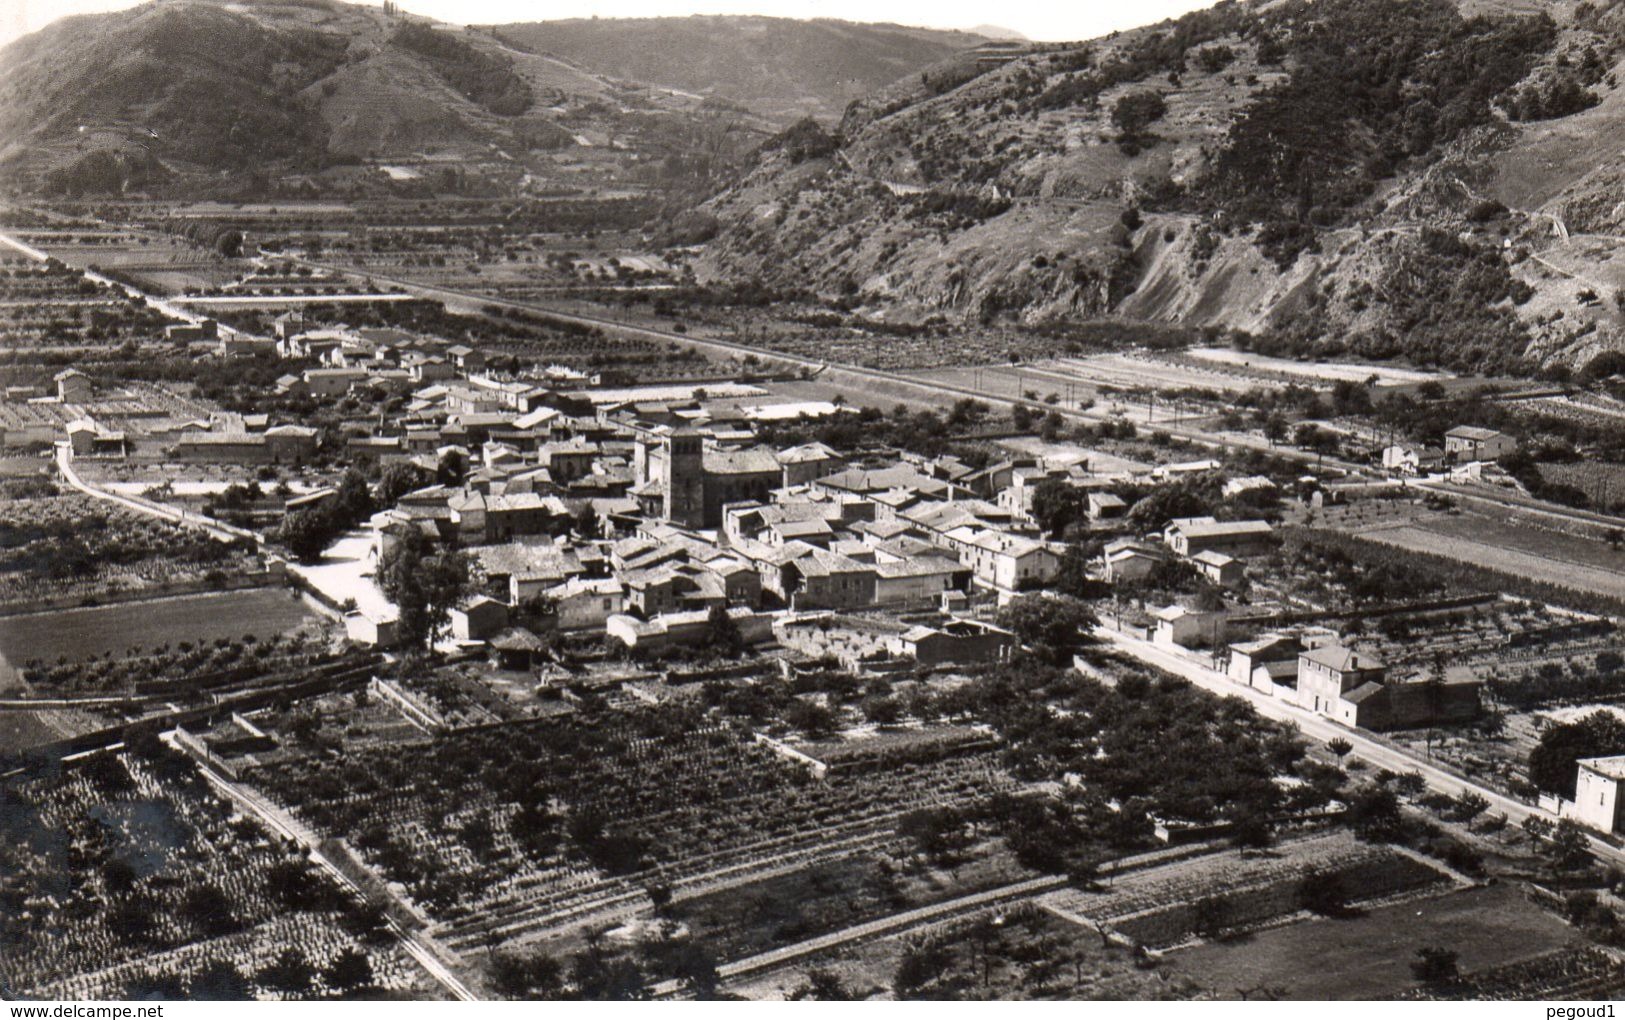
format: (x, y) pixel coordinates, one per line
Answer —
(1159, 52)
(1448, 302)
(480, 77)
(1374, 84)
(803, 140)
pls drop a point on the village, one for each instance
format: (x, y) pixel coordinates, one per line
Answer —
(337, 534)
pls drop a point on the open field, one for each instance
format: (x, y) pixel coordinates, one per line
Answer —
(1370, 956)
(23, 729)
(112, 630)
(1319, 371)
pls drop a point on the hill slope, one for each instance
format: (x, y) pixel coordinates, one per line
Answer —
(778, 66)
(1387, 177)
(188, 91)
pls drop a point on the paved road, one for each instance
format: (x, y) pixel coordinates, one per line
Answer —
(1321, 728)
(214, 528)
(281, 822)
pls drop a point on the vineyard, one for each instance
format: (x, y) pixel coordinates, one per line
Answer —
(127, 865)
(1575, 974)
(73, 545)
(190, 669)
(527, 826)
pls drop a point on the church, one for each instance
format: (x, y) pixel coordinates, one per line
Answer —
(685, 480)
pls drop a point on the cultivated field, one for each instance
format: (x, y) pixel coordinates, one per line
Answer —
(1316, 371)
(1553, 557)
(165, 883)
(78, 634)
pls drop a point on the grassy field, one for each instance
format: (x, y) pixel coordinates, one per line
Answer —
(23, 729)
(86, 633)
(1370, 956)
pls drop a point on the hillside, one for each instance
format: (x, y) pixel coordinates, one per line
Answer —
(778, 66)
(190, 94)
(1386, 178)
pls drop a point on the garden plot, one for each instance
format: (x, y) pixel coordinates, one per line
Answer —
(1579, 973)
(511, 835)
(828, 895)
(76, 635)
(74, 546)
(1021, 953)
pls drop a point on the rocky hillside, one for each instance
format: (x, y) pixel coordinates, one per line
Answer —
(1383, 177)
(189, 91)
(777, 66)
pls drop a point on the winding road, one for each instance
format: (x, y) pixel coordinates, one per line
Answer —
(215, 529)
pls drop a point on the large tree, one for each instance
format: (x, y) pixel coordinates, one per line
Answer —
(1053, 626)
(1552, 762)
(424, 583)
(1057, 504)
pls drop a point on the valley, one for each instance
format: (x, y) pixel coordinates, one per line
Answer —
(733, 507)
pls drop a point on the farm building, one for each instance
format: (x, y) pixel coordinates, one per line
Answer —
(807, 462)
(1352, 689)
(1267, 663)
(958, 641)
(1106, 506)
(1187, 628)
(185, 332)
(672, 629)
(372, 629)
(1469, 442)
(1129, 559)
(479, 620)
(1218, 567)
(1189, 536)
(518, 648)
(1412, 459)
(1599, 801)
(74, 387)
(586, 603)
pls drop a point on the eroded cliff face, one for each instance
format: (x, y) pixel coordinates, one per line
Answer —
(1207, 173)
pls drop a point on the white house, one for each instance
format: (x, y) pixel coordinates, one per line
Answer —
(1597, 800)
